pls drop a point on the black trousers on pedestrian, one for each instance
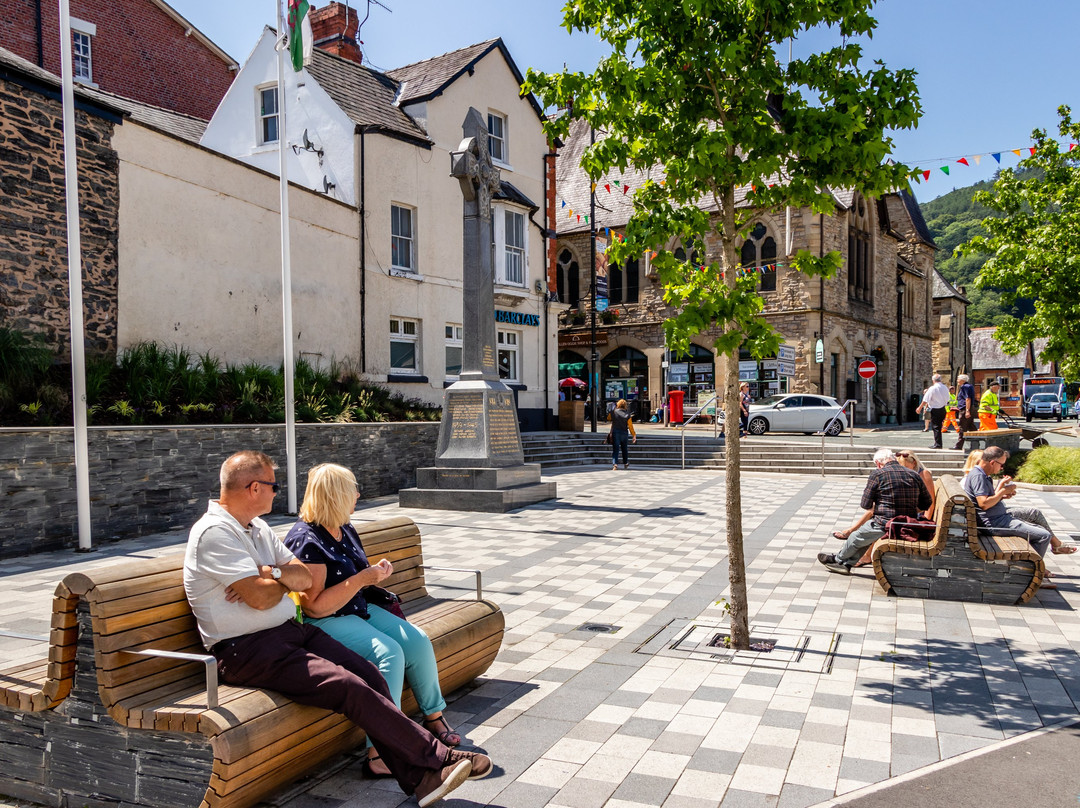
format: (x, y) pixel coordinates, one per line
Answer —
(937, 418)
(310, 667)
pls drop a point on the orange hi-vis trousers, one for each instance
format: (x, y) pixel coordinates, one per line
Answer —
(950, 420)
(987, 420)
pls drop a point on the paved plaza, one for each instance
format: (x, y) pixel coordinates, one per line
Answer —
(861, 689)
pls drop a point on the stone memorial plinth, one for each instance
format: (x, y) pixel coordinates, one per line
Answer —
(479, 464)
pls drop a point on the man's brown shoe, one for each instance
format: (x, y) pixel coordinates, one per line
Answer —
(481, 764)
(437, 783)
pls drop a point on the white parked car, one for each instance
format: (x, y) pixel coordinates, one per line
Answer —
(1043, 405)
(796, 413)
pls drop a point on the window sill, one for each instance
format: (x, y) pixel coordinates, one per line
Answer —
(406, 378)
(501, 164)
(515, 385)
(394, 272)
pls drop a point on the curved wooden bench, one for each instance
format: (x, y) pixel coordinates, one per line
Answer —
(959, 564)
(152, 738)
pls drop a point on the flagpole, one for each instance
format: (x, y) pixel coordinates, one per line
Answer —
(286, 276)
(75, 293)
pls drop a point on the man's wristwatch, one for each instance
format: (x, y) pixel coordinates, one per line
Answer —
(275, 573)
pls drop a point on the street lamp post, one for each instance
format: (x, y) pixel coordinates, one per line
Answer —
(899, 346)
(594, 379)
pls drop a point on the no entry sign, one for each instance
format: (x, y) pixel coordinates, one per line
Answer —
(867, 369)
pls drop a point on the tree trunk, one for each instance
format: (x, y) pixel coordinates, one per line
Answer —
(740, 613)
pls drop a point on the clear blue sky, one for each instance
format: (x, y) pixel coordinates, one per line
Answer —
(989, 70)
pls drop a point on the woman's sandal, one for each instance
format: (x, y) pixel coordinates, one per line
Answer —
(370, 772)
(840, 534)
(447, 735)
(1065, 549)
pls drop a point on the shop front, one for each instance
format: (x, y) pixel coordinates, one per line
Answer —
(624, 373)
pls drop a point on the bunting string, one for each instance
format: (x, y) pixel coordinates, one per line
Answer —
(924, 174)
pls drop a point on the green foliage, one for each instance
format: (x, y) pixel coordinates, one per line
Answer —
(1051, 465)
(954, 219)
(696, 87)
(1032, 246)
(152, 384)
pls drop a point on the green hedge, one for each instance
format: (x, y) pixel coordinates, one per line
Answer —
(152, 384)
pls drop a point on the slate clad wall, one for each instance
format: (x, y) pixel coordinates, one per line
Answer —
(144, 480)
(33, 236)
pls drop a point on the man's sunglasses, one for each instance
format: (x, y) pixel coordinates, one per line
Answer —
(275, 486)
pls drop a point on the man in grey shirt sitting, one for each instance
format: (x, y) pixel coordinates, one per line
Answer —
(992, 514)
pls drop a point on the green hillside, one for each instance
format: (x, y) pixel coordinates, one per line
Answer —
(953, 219)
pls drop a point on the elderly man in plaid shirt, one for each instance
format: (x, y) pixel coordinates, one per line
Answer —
(891, 490)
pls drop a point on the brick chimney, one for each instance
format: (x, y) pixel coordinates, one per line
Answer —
(334, 28)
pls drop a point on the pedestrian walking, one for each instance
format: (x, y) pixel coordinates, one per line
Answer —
(951, 419)
(744, 409)
(965, 408)
(924, 411)
(935, 400)
(622, 434)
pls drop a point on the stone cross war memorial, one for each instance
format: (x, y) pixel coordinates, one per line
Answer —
(479, 463)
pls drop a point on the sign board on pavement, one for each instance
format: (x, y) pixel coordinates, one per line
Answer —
(786, 353)
(785, 368)
(867, 369)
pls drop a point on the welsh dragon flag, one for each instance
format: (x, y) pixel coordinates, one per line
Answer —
(300, 37)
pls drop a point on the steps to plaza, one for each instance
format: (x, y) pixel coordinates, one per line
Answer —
(555, 450)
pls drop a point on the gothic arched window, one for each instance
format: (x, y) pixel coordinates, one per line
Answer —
(567, 279)
(859, 257)
(759, 253)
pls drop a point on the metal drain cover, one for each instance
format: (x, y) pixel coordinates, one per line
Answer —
(598, 628)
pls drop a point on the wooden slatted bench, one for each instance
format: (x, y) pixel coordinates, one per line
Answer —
(97, 722)
(1005, 437)
(959, 563)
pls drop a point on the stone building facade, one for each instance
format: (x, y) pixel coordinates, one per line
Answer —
(33, 235)
(952, 348)
(888, 254)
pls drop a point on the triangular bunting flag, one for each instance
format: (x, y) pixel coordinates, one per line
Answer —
(964, 161)
(564, 203)
(996, 156)
(625, 188)
(616, 183)
(594, 187)
(570, 215)
(1072, 146)
(607, 187)
(945, 169)
(977, 158)
(586, 218)
(579, 217)
(926, 175)
(1031, 149)
(1016, 152)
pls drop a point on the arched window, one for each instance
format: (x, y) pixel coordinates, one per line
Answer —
(624, 285)
(859, 259)
(567, 279)
(680, 255)
(759, 253)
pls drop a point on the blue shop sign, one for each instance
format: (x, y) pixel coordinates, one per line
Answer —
(517, 318)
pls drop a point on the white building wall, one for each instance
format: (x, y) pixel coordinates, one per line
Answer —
(200, 257)
(235, 129)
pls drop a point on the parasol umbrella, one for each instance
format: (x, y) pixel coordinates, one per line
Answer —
(570, 381)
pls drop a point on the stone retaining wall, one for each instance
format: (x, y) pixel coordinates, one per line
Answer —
(144, 480)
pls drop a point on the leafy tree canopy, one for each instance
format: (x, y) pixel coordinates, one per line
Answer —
(1033, 244)
(696, 87)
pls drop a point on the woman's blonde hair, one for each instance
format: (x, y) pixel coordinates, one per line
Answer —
(972, 460)
(330, 495)
(620, 404)
(918, 463)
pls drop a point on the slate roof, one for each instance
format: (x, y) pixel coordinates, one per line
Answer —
(422, 81)
(365, 95)
(510, 193)
(942, 288)
(185, 127)
(915, 212)
(987, 353)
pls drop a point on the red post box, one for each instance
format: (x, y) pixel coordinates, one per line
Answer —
(675, 402)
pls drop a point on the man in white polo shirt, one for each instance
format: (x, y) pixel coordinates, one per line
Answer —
(936, 399)
(237, 576)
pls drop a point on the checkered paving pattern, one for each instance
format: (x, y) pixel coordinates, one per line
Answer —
(577, 719)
